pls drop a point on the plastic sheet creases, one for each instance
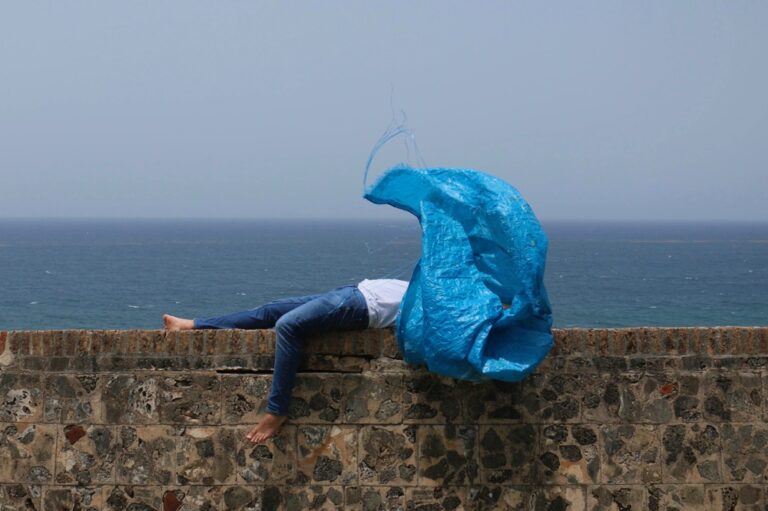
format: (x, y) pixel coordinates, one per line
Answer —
(482, 247)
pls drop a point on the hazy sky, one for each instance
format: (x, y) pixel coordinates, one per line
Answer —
(615, 110)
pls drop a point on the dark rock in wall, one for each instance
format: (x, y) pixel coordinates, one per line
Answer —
(27, 453)
(20, 397)
(371, 398)
(691, 453)
(147, 455)
(272, 462)
(86, 454)
(388, 455)
(448, 455)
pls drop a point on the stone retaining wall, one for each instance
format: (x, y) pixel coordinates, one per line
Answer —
(658, 419)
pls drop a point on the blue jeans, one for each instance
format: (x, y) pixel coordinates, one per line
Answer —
(294, 319)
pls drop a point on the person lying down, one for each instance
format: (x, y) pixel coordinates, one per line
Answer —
(368, 304)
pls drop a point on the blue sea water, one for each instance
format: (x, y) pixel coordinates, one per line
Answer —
(59, 274)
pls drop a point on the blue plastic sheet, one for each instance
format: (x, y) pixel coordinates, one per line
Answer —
(482, 247)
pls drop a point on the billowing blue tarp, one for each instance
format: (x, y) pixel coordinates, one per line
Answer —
(482, 247)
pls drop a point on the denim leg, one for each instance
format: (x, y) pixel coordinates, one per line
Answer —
(341, 309)
(264, 316)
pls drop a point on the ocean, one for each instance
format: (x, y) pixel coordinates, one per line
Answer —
(114, 274)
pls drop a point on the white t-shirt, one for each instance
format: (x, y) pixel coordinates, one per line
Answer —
(383, 297)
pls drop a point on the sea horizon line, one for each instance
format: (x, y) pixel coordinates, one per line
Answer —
(408, 219)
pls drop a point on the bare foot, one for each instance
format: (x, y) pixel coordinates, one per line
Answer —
(267, 428)
(174, 324)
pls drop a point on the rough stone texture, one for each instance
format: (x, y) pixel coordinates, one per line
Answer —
(86, 454)
(189, 399)
(316, 399)
(268, 463)
(6, 353)
(447, 455)
(313, 497)
(691, 453)
(631, 453)
(676, 497)
(73, 398)
(193, 498)
(373, 399)
(508, 453)
(205, 456)
(388, 455)
(615, 419)
(569, 454)
(21, 397)
(602, 498)
(27, 453)
(508, 498)
(737, 497)
(498, 402)
(431, 399)
(642, 398)
(118, 498)
(17, 497)
(439, 497)
(546, 498)
(374, 498)
(559, 396)
(744, 452)
(85, 498)
(147, 454)
(244, 397)
(327, 455)
(130, 399)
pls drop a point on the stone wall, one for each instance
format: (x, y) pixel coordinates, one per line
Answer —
(658, 419)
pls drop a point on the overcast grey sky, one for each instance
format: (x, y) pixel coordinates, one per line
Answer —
(593, 110)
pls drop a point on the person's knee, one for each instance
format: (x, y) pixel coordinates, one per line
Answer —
(288, 337)
(288, 326)
(302, 321)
